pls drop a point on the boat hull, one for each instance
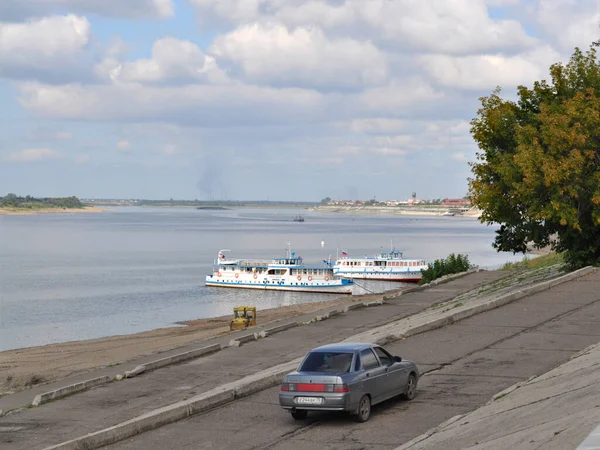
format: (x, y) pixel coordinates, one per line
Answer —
(383, 276)
(334, 288)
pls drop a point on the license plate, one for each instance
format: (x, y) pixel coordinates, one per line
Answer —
(309, 400)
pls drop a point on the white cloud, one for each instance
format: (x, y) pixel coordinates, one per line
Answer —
(459, 156)
(273, 53)
(172, 60)
(458, 26)
(485, 72)
(377, 125)
(567, 23)
(34, 155)
(48, 47)
(123, 144)
(399, 140)
(394, 97)
(389, 151)
(208, 105)
(132, 9)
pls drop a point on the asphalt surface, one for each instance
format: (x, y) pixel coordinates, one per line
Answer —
(113, 403)
(467, 363)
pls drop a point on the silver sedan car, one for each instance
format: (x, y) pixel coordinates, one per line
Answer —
(347, 377)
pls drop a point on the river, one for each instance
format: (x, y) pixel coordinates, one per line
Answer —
(67, 277)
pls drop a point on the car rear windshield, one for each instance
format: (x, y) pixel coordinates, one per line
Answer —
(327, 362)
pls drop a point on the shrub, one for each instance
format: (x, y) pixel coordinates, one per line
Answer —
(440, 267)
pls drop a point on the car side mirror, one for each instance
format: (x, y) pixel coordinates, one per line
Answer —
(397, 359)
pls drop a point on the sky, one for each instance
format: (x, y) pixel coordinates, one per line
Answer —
(263, 99)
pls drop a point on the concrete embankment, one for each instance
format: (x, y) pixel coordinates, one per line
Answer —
(465, 363)
(554, 411)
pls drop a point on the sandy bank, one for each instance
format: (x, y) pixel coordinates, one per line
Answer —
(27, 212)
(24, 367)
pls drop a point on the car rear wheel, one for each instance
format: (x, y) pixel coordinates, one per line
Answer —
(411, 387)
(300, 414)
(364, 409)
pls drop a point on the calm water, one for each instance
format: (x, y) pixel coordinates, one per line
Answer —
(67, 277)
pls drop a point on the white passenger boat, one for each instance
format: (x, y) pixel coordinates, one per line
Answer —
(388, 266)
(280, 274)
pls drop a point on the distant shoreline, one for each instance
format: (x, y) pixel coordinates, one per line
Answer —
(31, 212)
(408, 211)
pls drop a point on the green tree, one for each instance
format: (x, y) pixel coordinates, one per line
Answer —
(538, 171)
(325, 200)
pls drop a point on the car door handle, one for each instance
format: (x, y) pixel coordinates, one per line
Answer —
(368, 374)
(387, 369)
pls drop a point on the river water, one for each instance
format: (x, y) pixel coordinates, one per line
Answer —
(67, 277)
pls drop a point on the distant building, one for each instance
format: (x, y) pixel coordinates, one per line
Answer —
(456, 202)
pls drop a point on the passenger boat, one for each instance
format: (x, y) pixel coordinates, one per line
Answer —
(387, 266)
(280, 274)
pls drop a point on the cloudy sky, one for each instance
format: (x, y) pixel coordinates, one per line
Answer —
(257, 99)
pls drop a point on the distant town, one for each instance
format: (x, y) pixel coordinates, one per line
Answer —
(412, 201)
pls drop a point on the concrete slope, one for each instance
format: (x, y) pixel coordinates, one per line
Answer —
(555, 411)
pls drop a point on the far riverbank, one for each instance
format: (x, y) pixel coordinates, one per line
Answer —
(399, 210)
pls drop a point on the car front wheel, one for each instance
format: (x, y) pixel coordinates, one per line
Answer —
(364, 409)
(411, 387)
(300, 414)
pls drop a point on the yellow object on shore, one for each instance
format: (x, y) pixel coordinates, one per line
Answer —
(243, 317)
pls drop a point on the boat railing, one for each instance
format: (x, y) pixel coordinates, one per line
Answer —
(394, 254)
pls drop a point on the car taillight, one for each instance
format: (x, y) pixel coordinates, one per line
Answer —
(341, 388)
(288, 387)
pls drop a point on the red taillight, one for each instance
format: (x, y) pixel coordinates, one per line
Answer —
(341, 388)
(285, 387)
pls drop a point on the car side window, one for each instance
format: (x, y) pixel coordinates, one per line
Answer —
(369, 361)
(357, 363)
(385, 358)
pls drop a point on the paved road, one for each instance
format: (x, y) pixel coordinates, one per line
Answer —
(475, 359)
(114, 403)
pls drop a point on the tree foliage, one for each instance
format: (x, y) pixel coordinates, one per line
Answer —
(14, 201)
(537, 173)
(440, 267)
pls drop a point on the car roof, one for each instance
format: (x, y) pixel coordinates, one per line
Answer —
(344, 347)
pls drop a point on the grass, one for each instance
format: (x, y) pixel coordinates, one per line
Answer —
(539, 262)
